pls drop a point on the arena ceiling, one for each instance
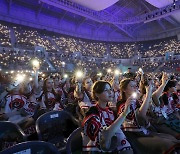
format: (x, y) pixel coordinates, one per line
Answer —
(120, 20)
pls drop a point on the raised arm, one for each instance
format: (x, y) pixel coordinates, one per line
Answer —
(145, 105)
(156, 95)
(36, 71)
(110, 131)
(6, 91)
(78, 90)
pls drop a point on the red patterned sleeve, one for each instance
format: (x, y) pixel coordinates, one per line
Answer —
(92, 126)
(130, 116)
(121, 108)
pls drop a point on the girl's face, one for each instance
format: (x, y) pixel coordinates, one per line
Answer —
(156, 83)
(56, 81)
(88, 84)
(49, 83)
(132, 87)
(107, 95)
(67, 84)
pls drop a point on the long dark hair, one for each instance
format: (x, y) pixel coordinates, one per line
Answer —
(169, 85)
(123, 85)
(98, 88)
(45, 93)
(85, 90)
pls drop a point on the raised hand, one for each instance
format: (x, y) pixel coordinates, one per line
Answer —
(78, 85)
(10, 87)
(149, 87)
(165, 78)
(36, 68)
(128, 103)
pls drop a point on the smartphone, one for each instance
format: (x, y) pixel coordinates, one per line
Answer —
(141, 71)
(134, 95)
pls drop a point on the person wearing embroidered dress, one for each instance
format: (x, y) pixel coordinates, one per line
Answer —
(58, 89)
(32, 101)
(169, 102)
(136, 123)
(101, 132)
(170, 98)
(83, 93)
(68, 91)
(14, 101)
(158, 114)
(32, 105)
(49, 99)
(23, 115)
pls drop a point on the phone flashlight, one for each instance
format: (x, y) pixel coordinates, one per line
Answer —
(35, 63)
(99, 74)
(134, 95)
(63, 64)
(109, 70)
(79, 74)
(65, 76)
(140, 70)
(19, 78)
(116, 72)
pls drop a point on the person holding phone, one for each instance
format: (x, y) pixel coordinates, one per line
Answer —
(136, 123)
(115, 86)
(49, 100)
(101, 132)
(82, 92)
(15, 101)
(164, 117)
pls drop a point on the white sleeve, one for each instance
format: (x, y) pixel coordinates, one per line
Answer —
(7, 108)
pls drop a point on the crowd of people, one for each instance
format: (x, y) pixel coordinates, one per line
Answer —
(4, 35)
(130, 113)
(20, 60)
(150, 65)
(28, 38)
(119, 112)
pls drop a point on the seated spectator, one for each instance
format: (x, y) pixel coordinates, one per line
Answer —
(99, 125)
